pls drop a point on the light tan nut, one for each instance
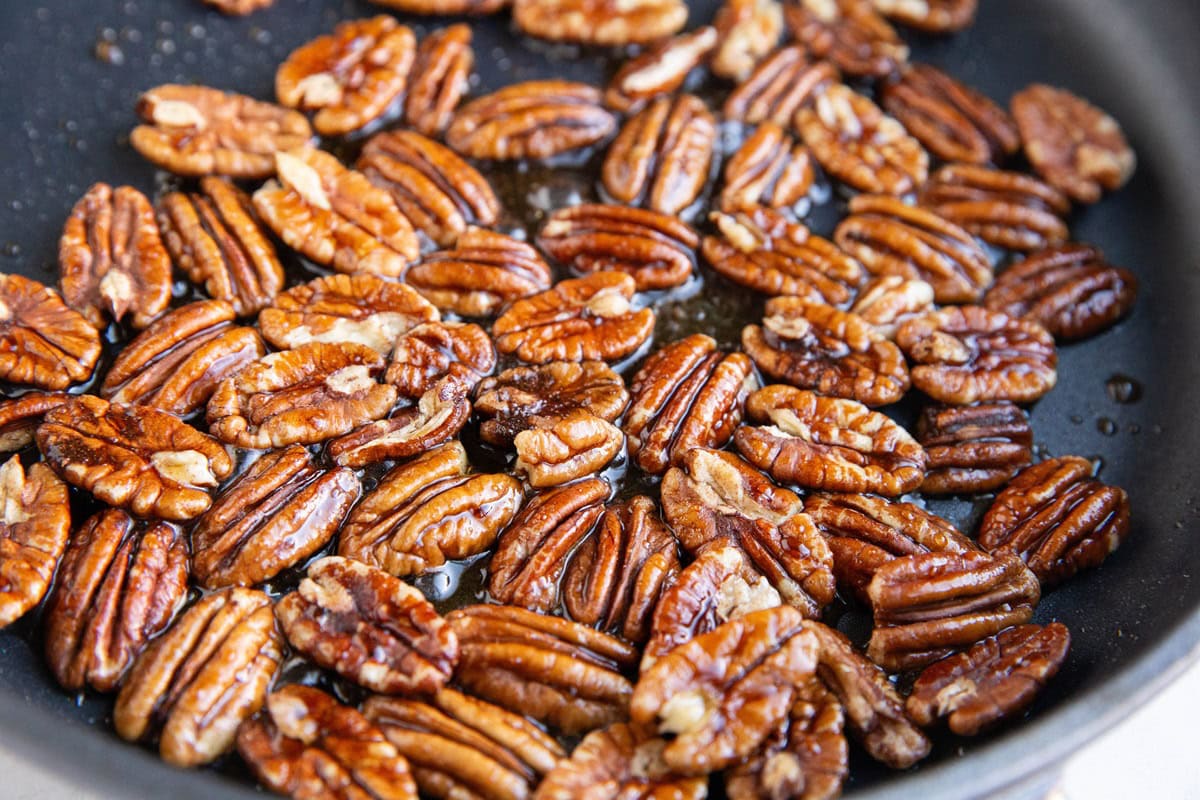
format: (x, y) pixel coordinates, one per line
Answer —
(439, 78)
(35, 521)
(931, 16)
(600, 22)
(747, 31)
(660, 70)
(888, 301)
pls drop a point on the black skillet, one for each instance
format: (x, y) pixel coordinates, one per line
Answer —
(1127, 397)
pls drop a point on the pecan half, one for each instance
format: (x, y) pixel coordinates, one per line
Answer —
(660, 70)
(560, 449)
(445, 7)
(850, 33)
(43, 343)
(815, 346)
(20, 416)
(196, 131)
(777, 88)
(111, 258)
(931, 16)
(552, 670)
(747, 31)
(197, 682)
(481, 274)
(350, 77)
(966, 354)
(769, 169)
(134, 457)
(888, 301)
(439, 78)
(620, 761)
(971, 449)
(335, 216)
(431, 351)
(1058, 518)
(35, 522)
(276, 514)
(600, 22)
(119, 586)
(238, 7)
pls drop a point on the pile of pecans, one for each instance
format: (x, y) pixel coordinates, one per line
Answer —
(277, 467)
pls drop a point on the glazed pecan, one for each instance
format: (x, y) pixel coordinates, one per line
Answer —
(197, 682)
(431, 351)
(176, 363)
(718, 497)
(966, 354)
(35, 522)
(778, 87)
(828, 443)
(20, 416)
(954, 121)
(445, 7)
(349, 77)
(440, 193)
(216, 238)
(133, 457)
(306, 395)
(1058, 518)
(994, 680)
(481, 274)
(890, 237)
(972, 449)
(463, 747)
(309, 745)
(275, 515)
(927, 605)
(747, 30)
(888, 301)
(196, 131)
(561, 449)
(534, 119)
(657, 249)
(43, 343)
(335, 216)
(111, 259)
(238, 7)
(766, 251)
(580, 319)
(660, 70)
(1007, 209)
(769, 169)
(620, 761)
(119, 586)
(439, 78)
(688, 394)
(662, 157)
(600, 22)
(1071, 290)
(369, 627)
(931, 16)
(428, 510)
(1078, 148)
(850, 33)
(550, 669)
(510, 401)
(815, 346)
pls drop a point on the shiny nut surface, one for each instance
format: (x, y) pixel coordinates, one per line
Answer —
(562, 449)
(431, 351)
(659, 70)
(932, 16)
(440, 76)
(600, 22)
(973, 448)
(35, 522)
(43, 343)
(20, 416)
(777, 88)
(888, 301)
(769, 169)
(619, 761)
(747, 30)
(850, 33)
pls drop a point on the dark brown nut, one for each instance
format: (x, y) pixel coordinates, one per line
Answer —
(747, 31)
(972, 449)
(310, 394)
(552, 670)
(279, 512)
(119, 586)
(620, 761)
(511, 401)
(350, 77)
(994, 680)
(20, 416)
(134, 457)
(766, 251)
(428, 510)
(662, 157)
(445, 7)
(778, 87)
(335, 216)
(1007, 209)
(1078, 148)
(657, 249)
(534, 119)
(815, 346)
(216, 238)
(580, 319)
(35, 522)
(197, 682)
(1058, 518)
(363, 309)
(888, 301)
(828, 443)
(440, 193)
(954, 121)
(770, 170)
(561, 449)
(308, 745)
(723, 693)
(369, 627)
(197, 131)
(600, 22)
(1070, 290)
(238, 7)
(928, 605)
(850, 33)
(688, 394)
(111, 258)
(968, 354)
(463, 747)
(718, 497)
(43, 343)
(431, 351)
(890, 237)
(481, 274)
(176, 364)
(438, 80)
(931, 16)
(660, 70)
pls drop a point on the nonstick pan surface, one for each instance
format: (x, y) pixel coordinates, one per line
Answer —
(1127, 397)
